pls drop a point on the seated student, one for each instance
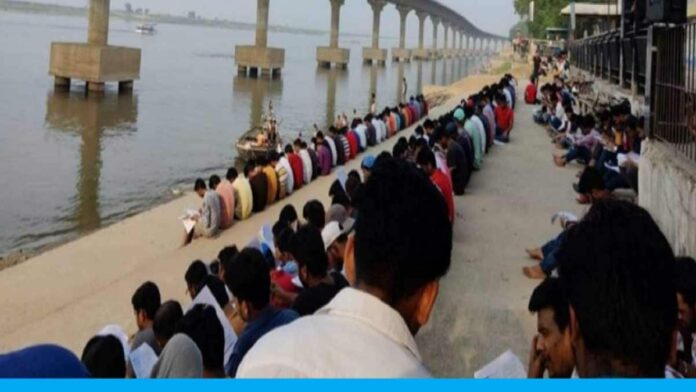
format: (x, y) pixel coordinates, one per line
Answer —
(195, 276)
(353, 142)
(319, 287)
(583, 145)
(208, 221)
(226, 255)
(271, 179)
(166, 318)
(42, 361)
(324, 154)
(283, 166)
(617, 269)
(426, 161)
(289, 216)
(393, 295)
(366, 166)
(370, 130)
(685, 279)
(457, 162)
(530, 93)
(242, 194)
(361, 132)
(283, 290)
(181, 358)
(338, 152)
(316, 169)
(591, 184)
(202, 325)
(249, 281)
(344, 145)
(475, 132)
(282, 175)
(401, 150)
(552, 348)
(314, 214)
(335, 237)
(297, 166)
(225, 190)
(259, 186)
(146, 300)
(330, 143)
(504, 119)
(307, 165)
(103, 356)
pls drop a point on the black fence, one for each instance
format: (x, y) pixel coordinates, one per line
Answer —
(671, 83)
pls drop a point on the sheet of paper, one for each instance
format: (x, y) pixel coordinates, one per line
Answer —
(207, 298)
(612, 168)
(189, 224)
(341, 176)
(266, 237)
(565, 215)
(143, 359)
(506, 366)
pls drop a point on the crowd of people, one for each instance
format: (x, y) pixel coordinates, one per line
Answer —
(313, 293)
(614, 300)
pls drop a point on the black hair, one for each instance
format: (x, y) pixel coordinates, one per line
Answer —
(549, 294)
(419, 130)
(425, 157)
(354, 174)
(685, 279)
(308, 250)
(202, 325)
(147, 298)
(390, 243)
(248, 168)
(288, 214)
(196, 273)
(400, 148)
(226, 255)
(617, 269)
(217, 288)
(104, 357)
(199, 184)
(284, 238)
(590, 180)
(273, 156)
(248, 278)
(428, 123)
(232, 174)
(214, 181)
(166, 318)
(314, 213)
(288, 149)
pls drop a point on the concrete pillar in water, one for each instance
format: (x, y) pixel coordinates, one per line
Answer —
(374, 54)
(436, 24)
(259, 59)
(401, 53)
(445, 47)
(333, 54)
(421, 53)
(98, 30)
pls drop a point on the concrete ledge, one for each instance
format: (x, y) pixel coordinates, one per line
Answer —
(260, 58)
(436, 54)
(372, 55)
(400, 55)
(94, 63)
(667, 189)
(327, 56)
(421, 54)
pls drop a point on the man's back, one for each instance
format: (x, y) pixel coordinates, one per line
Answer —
(244, 197)
(259, 189)
(355, 336)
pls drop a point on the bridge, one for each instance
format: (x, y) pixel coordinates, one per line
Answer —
(97, 62)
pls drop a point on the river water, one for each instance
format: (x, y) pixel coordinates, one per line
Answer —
(71, 163)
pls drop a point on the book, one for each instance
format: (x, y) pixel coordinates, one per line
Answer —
(206, 297)
(506, 366)
(142, 360)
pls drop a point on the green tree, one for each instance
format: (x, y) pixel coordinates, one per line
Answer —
(547, 13)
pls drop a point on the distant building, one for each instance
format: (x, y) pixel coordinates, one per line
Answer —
(592, 19)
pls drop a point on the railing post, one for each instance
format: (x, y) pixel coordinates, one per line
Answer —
(649, 83)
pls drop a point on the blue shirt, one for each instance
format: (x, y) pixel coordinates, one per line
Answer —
(268, 320)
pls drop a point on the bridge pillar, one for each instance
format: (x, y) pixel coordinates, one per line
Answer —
(259, 59)
(445, 49)
(421, 53)
(375, 55)
(333, 54)
(95, 62)
(401, 53)
(435, 53)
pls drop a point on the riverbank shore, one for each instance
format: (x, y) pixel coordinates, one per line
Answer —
(67, 294)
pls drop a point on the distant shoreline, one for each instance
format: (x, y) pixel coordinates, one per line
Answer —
(30, 7)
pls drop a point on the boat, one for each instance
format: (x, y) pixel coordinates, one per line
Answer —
(145, 29)
(261, 140)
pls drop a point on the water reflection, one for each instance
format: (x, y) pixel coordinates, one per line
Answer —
(373, 84)
(433, 73)
(444, 72)
(401, 86)
(419, 77)
(258, 91)
(90, 117)
(331, 75)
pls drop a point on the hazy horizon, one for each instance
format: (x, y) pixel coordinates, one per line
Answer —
(494, 16)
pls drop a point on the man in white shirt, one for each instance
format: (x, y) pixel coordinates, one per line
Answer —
(290, 181)
(306, 161)
(361, 130)
(367, 331)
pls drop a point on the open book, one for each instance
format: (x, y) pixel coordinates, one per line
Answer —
(564, 216)
(507, 365)
(206, 297)
(189, 219)
(142, 360)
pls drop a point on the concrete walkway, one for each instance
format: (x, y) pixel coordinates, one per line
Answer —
(482, 307)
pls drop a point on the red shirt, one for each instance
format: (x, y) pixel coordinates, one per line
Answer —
(530, 94)
(443, 184)
(284, 281)
(353, 142)
(504, 116)
(297, 169)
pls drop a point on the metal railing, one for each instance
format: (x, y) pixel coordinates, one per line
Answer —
(673, 103)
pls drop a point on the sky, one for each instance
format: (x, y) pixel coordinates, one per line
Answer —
(494, 16)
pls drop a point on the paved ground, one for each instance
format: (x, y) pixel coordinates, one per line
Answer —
(482, 307)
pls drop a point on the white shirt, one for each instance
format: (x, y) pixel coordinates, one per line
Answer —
(361, 130)
(482, 131)
(332, 147)
(508, 96)
(290, 183)
(378, 130)
(355, 336)
(306, 166)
